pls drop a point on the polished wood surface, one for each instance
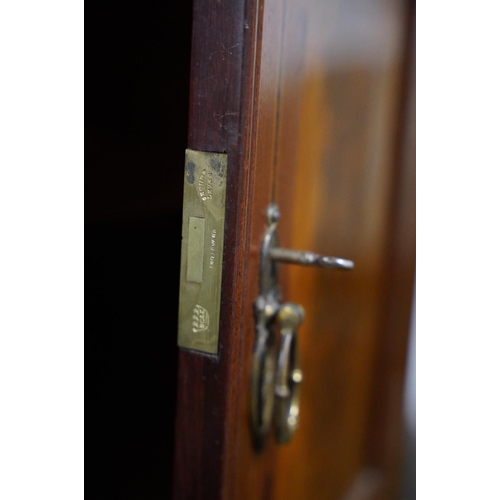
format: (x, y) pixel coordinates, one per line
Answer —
(312, 104)
(332, 155)
(207, 385)
(342, 204)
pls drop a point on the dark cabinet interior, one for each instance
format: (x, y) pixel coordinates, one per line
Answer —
(137, 85)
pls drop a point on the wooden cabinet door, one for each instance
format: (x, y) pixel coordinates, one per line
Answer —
(313, 102)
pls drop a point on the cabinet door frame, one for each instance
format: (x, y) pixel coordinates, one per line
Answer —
(226, 65)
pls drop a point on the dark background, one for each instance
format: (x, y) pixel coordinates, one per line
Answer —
(136, 104)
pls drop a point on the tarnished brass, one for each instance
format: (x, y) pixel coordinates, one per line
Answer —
(289, 374)
(195, 249)
(202, 250)
(275, 383)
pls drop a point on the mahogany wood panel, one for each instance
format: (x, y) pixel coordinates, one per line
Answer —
(305, 98)
(341, 195)
(348, 175)
(385, 423)
(222, 63)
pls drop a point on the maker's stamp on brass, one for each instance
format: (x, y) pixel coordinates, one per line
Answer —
(202, 250)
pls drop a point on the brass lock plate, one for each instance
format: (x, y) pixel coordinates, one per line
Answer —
(202, 248)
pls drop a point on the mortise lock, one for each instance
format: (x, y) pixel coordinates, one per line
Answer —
(276, 377)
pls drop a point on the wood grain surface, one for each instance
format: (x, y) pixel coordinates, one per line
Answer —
(310, 100)
(222, 46)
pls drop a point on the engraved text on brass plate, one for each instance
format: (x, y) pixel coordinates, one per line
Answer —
(202, 250)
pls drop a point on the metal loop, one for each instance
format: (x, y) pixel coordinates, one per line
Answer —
(275, 385)
(288, 374)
